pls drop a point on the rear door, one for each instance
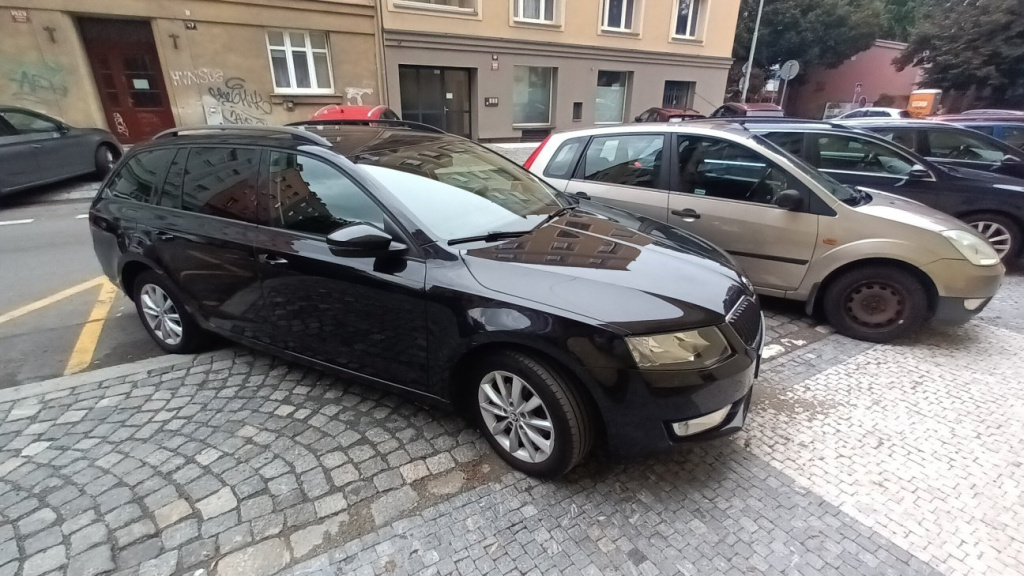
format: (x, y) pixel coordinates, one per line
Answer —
(202, 230)
(626, 171)
(725, 192)
(57, 151)
(18, 158)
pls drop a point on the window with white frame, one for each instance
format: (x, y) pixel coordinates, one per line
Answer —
(686, 18)
(300, 62)
(450, 5)
(542, 11)
(618, 15)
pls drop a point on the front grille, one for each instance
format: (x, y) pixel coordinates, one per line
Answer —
(745, 319)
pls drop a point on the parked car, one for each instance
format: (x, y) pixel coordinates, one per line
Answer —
(36, 149)
(424, 263)
(877, 265)
(872, 112)
(1009, 129)
(949, 145)
(991, 204)
(735, 109)
(668, 115)
(346, 112)
(991, 111)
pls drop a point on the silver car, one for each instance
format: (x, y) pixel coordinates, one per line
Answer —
(877, 265)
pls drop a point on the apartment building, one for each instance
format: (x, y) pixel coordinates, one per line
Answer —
(518, 69)
(137, 67)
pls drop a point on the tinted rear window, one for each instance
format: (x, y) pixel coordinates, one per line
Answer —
(137, 178)
(563, 163)
(222, 182)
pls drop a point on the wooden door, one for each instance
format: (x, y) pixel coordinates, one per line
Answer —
(127, 72)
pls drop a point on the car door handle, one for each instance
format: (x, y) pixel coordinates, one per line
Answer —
(272, 260)
(583, 195)
(37, 145)
(687, 214)
(164, 235)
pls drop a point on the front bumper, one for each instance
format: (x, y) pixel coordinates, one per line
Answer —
(963, 289)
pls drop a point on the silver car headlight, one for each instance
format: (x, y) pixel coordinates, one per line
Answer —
(976, 250)
(688, 350)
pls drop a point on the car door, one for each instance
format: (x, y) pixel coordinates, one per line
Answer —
(625, 171)
(364, 314)
(725, 192)
(202, 229)
(60, 152)
(19, 166)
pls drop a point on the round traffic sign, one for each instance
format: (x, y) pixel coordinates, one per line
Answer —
(789, 70)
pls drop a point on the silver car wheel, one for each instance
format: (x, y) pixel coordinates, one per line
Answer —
(996, 234)
(161, 314)
(516, 416)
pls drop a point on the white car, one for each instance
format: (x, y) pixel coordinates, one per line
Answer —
(874, 113)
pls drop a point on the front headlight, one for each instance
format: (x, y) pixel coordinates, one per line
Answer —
(976, 250)
(688, 350)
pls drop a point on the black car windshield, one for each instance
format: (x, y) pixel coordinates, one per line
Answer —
(461, 189)
(845, 194)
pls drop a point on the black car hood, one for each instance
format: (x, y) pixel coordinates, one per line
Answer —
(631, 278)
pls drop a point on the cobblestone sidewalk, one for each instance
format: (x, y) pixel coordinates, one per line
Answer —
(857, 459)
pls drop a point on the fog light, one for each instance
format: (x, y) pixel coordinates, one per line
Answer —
(697, 425)
(973, 303)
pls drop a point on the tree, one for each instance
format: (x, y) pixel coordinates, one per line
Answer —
(971, 46)
(815, 32)
(899, 18)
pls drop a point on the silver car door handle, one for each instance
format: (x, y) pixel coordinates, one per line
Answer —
(272, 260)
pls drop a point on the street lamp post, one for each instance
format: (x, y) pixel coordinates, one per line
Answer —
(753, 45)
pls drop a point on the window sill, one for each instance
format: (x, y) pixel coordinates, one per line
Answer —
(532, 126)
(691, 40)
(539, 24)
(619, 32)
(412, 5)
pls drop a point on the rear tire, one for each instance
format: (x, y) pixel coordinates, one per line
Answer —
(876, 303)
(530, 414)
(1001, 232)
(106, 158)
(164, 315)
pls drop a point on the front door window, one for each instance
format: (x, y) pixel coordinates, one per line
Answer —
(850, 154)
(955, 145)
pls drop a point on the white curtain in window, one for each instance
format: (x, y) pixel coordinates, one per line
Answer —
(611, 96)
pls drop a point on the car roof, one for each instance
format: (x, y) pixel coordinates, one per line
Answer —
(677, 110)
(706, 126)
(754, 106)
(981, 119)
(897, 122)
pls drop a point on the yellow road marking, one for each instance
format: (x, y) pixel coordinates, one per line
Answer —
(51, 299)
(81, 356)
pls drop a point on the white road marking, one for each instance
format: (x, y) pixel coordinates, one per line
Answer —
(82, 216)
(10, 222)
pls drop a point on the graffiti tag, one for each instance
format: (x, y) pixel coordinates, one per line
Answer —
(119, 124)
(196, 77)
(241, 104)
(355, 95)
(38, 84)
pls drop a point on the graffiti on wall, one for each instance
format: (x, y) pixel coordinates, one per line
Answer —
(196, 77)
(121, 127)
(355, 95)
(36, 83)
(241, 104)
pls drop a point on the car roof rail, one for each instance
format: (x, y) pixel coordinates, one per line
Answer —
(368, 122)
(744, 120)
(295, 133)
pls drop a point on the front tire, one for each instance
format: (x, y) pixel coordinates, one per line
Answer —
(1001, 232)
(876, 304)
(530, 414)
(106, 158)
(164, 315)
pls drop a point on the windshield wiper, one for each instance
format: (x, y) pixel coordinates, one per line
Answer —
(559, 212)
(489, 237)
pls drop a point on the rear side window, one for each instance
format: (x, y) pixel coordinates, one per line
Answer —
(221, 181)
(170, 192)
(1014, 136)
(563, 163)
(138, 177)
(903, 137)
(631, 160)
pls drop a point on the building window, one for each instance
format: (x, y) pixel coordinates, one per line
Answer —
(611, 97)
(677, 94)
(457, 6)
(686, 18)
(531, 95)
(300, 62)
(618, 15)
(541, 11)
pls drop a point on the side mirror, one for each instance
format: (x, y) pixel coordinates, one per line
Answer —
(362, 240)
(789, 200)
(636, 119)
(918, 172)
(63, 128)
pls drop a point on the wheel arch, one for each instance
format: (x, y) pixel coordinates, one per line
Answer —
(131, 270)
(814, 303)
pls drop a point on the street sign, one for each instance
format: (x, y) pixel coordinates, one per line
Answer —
(789, 70)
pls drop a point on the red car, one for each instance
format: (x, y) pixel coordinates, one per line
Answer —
(342, 112)
(668, 115)
(736, 109)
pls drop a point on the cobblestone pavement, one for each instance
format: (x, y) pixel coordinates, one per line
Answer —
(857, 459)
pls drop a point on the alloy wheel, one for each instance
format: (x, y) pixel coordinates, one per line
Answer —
(996, 234)
(161, 314)
(516, 416)
(875, 305)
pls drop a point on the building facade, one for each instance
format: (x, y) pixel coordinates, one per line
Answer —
(140, 66)
(519, 69)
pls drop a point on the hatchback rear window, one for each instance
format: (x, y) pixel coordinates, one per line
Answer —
(563, 163)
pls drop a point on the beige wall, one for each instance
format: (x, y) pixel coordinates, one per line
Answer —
(228, 46)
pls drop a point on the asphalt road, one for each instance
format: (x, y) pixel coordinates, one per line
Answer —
(46, 249)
